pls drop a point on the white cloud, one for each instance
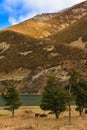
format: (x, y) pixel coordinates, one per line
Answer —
(49, 5)
(20, 10)
(12, 20)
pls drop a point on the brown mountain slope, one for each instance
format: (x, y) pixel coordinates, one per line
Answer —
(73, 32)
(26, 60)
(47, 24)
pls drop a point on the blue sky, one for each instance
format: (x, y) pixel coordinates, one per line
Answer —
(15, 11)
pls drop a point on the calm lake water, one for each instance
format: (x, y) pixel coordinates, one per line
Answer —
(27, 100)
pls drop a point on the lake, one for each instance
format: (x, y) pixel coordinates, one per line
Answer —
(27, 100)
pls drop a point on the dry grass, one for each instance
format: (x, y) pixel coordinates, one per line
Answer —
(25, 120)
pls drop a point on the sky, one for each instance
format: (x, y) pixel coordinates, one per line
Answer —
(16, 11)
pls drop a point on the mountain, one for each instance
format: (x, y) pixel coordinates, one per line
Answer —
(54, 43)
(47, 24)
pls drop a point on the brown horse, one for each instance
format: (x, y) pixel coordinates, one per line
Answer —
(43, 115)
(40, 115)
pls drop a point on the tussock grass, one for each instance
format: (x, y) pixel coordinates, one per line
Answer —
(24, 121)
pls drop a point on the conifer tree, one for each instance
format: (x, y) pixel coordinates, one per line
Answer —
(11, 98)
(54, 97)
(81, 96)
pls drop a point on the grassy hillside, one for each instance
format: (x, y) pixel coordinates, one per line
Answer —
(12, 37)
(21, 51)
(33, 29)
(37, 56)
(73, 32)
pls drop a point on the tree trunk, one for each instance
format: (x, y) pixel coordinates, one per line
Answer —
(80, 112)
(69, 112)
(70, 103)
(57, 115)
(13, 112)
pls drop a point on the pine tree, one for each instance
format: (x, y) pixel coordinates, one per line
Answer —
(54, 97)
(11, 98)
(73, 81)
(81, 96)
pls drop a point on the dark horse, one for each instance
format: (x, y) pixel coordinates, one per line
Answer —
(40, 115)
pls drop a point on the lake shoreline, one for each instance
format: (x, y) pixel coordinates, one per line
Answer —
(27, 100)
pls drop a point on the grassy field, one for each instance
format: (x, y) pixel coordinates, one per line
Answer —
(25, 120)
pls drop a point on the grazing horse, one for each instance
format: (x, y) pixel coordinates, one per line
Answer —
(43, 115)
(40, 115)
